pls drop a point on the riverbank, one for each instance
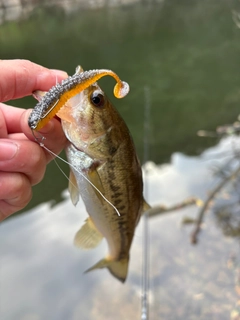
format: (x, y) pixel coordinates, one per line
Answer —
(11, 10)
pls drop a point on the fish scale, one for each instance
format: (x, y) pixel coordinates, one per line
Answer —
(102, 135)
(104, 168)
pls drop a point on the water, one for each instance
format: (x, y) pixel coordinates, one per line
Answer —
(186, 57)
(186, 54)
(42, 272)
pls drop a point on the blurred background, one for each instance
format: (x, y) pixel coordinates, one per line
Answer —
(181, 61)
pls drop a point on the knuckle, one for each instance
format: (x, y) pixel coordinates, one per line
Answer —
(22, 191)
(15, 193)
(36, 166)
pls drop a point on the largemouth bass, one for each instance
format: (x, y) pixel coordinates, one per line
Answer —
(50, 102)
(104, 166)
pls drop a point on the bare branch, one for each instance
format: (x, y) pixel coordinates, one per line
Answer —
(158, 210)
(197, 229)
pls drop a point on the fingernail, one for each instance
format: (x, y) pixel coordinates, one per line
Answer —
(47, 128)
(59, 73)
(8, 150)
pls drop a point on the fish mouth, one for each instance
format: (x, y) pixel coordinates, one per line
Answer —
(76, 149)
(93, 164)
(73, 146)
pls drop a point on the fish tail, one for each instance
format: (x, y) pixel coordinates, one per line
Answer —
(118, 268)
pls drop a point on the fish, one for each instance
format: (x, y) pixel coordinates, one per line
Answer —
(52, 101)
(106, 173)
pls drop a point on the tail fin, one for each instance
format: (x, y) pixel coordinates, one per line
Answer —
(118, 269)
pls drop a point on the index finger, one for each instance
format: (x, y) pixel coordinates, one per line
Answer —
(20, 78)
(11, 118)
(55, 139)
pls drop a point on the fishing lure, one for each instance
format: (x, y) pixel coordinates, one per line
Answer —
(59, 94)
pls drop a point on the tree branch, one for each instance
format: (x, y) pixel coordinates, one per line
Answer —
(213, 193)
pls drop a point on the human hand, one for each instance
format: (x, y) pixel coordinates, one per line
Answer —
(22, 160)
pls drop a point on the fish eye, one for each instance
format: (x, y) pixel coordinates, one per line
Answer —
(97, 99)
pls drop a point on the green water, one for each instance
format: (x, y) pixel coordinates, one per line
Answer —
(185, 53)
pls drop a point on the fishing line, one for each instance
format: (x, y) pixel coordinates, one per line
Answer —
(72, 166)
(53, 156)
(64, 173)
(145, 218)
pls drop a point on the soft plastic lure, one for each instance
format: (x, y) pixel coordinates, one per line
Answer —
(58, 95)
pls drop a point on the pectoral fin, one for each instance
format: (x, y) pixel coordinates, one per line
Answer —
(94, 177)
(88, 237)
(146, 207)
(73, 188)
